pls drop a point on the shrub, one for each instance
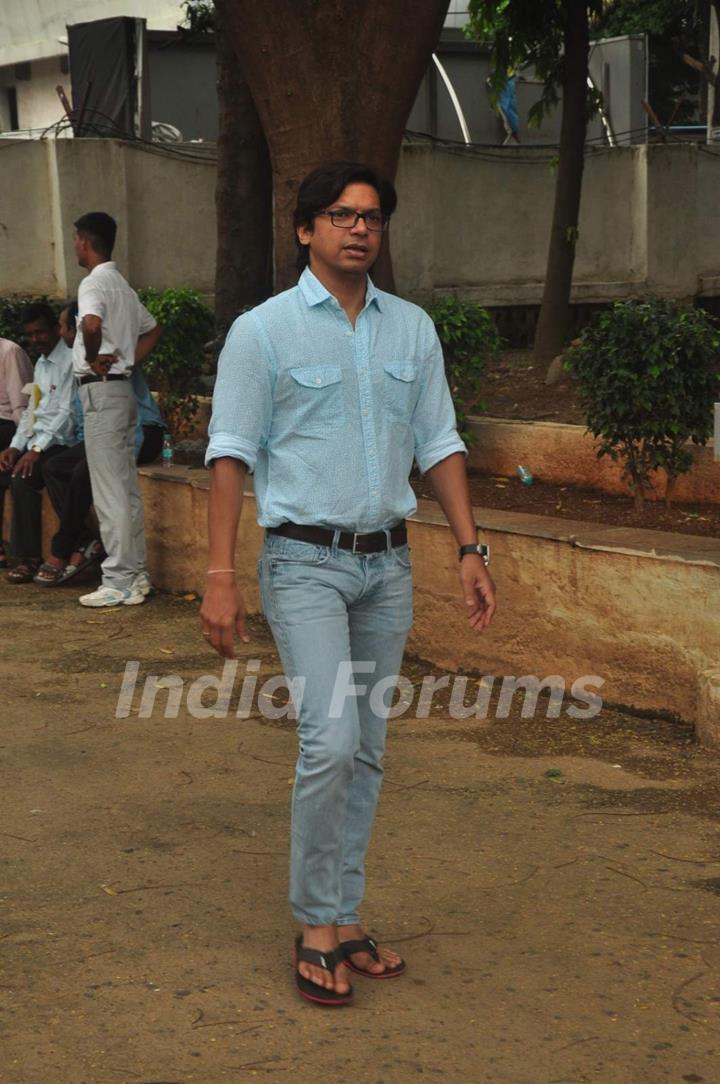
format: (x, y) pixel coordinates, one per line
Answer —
(174, 368)
(469, 340)
(647, 374)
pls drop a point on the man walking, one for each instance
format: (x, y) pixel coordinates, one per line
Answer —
(327, 392)
(45, 429)
(115, 332)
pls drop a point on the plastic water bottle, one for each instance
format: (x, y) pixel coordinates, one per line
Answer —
(525, 476)
(168, 453)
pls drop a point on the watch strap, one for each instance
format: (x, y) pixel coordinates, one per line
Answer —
(477, 548)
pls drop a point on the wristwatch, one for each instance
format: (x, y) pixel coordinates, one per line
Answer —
(36, 448)
(480, 549)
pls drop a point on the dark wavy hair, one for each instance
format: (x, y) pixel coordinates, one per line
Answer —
(39, 310)
(323, 186)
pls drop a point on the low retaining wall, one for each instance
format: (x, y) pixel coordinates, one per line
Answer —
(637, 608)
(557, 452)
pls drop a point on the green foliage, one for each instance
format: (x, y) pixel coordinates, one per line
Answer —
(469, 340)
(11, 309)
(524, 32)
(645, 16)
(648, 373)
(174, 368)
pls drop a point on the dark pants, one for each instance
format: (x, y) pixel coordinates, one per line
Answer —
(26, 538)
(7, 432)
(68, 483)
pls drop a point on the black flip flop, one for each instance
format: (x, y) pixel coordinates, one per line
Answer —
(366, 944)
(311, 991)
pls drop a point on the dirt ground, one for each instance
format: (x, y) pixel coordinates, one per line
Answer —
(553, 883)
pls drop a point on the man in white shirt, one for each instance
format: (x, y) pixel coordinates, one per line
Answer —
(46, 428)
(115, 332)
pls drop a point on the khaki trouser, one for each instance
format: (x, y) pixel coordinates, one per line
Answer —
(110, 411)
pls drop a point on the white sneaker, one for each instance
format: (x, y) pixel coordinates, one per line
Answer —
(142, 583)
(113, 596)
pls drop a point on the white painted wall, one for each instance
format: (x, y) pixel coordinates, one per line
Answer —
(37, 102)
(30, 29)
(475, 225)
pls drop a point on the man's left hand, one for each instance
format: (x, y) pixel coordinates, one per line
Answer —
(25, 464)
(102, 363)
(479, 592)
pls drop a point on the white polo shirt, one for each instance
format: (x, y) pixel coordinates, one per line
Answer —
(106, 294)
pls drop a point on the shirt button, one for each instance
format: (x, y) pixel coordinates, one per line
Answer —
(318, 380)
(348, 332)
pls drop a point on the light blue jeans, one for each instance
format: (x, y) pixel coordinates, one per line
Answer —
(329, 610)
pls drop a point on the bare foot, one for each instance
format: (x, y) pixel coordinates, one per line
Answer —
(364, 960)
(324, 939)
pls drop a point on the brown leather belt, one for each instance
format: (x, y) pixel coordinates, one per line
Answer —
(356, 543)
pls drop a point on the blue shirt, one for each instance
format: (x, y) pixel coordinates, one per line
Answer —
(330, 418)
(48, 417)
(148, 410)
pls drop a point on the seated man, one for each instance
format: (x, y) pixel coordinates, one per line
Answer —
(15, 372)
(75, 546)
(45, 429)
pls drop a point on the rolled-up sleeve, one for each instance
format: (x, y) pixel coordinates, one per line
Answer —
(434, 426)
(242, 399)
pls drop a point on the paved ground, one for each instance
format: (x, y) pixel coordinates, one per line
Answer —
(559, 928)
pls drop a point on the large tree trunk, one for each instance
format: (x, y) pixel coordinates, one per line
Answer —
(331, 80)
(243, 196)
(555, 310)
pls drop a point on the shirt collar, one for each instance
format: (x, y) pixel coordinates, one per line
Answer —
(108, 264)
(315, 293)
(57, 353)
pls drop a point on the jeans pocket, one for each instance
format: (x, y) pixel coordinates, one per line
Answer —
(402, 556)
(281, 551)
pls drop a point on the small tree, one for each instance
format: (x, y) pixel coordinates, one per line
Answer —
(174, 368)
(469, 340)
(648, 373)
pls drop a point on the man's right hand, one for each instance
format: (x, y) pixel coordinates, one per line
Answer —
(222, 614)
(8, 458)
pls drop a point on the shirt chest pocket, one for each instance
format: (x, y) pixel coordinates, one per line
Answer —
(318, 403)
(401, 388)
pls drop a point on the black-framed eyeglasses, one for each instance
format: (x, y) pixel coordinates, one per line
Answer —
(345, 219)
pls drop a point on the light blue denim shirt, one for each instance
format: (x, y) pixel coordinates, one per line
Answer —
(48, 417)
(330, 418)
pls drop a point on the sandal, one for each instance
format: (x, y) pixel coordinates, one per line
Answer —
(91, 554)
(23, 572)
(366, 944)
(311, 991)
(48, 575)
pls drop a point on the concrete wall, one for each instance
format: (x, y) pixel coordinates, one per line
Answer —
(649, 223)
(163, 204)
(566, 455)
(637, 608)
(474, 223)
(37, 102)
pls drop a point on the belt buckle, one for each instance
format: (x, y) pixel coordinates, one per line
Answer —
(355, 551)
